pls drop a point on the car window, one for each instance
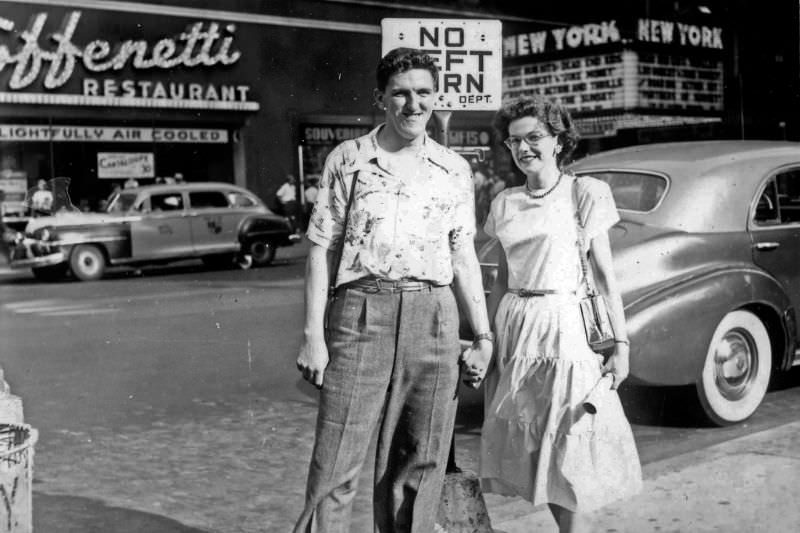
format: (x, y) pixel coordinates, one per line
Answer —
(767, 207)
(788, 185)
(166, 202)
(238, 199)
(205, 199)
(634, 191)
(121, 203)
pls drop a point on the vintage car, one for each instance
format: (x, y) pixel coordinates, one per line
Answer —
(707, 257)
(216, 222)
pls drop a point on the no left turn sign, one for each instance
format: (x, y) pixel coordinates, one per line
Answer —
(468, 52)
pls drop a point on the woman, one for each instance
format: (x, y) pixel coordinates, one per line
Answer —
(538, 441)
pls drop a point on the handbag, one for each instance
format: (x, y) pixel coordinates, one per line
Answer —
(594, 309)
(337, 258)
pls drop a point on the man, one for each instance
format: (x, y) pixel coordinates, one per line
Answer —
(287, 199)
(41, 199)
(390, 359)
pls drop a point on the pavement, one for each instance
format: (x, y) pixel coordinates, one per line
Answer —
(219, 473)
(746, 484)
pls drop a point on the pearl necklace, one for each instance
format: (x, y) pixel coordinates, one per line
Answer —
(539, 196)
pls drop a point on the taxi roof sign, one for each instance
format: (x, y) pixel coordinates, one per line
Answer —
(468, 52)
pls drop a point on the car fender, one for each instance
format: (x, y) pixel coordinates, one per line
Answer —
(670, 329)
(259, 226)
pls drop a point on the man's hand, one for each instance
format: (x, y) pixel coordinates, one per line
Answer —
(618, 365)
(475, 362)
(312, 361)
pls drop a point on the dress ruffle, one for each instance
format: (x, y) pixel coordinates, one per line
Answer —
(537, 441)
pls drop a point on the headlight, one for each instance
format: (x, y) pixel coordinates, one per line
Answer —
(42, 234)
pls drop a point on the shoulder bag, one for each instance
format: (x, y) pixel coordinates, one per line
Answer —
(594, 309)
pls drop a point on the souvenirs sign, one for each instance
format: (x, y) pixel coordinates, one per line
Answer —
(468, 53)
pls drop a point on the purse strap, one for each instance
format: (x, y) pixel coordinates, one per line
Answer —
(340, 246)
(585, 268)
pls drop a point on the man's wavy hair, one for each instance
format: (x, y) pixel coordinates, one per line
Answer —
(404, 59)
(552, 114)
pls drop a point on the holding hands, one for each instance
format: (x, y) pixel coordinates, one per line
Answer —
(475, 362)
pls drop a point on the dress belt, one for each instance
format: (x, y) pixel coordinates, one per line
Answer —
(372, 284)
(529, 293)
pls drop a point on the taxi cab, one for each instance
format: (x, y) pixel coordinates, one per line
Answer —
(217, 222)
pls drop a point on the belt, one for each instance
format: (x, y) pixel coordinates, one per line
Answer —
(388, 285)
(528, 293)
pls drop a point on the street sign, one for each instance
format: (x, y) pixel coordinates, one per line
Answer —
(468, 52)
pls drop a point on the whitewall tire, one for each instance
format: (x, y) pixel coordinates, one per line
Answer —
(737, 368)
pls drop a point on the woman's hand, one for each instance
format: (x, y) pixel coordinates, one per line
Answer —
(618, 365)
(475, 362)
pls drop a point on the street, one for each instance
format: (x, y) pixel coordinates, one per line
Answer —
(168, 400)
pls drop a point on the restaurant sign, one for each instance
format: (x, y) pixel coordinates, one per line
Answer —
(31, 56)
(67, 133)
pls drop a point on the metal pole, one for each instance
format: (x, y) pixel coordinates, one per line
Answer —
(442, 119)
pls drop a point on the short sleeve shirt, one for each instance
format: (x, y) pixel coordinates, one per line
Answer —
(539, 236)
(400, 225)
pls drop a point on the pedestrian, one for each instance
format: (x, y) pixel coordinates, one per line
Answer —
(41, 202)
(287, 198)
(538, 442)
(130, 183)
(389, 357)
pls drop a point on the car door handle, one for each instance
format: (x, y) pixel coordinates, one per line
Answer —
(766, 245)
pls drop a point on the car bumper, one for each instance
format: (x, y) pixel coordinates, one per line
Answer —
(54, 258)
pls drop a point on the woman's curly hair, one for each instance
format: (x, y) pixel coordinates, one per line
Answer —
(548, 112)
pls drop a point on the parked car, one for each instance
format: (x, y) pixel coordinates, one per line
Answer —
(216, 222)
(706, 256)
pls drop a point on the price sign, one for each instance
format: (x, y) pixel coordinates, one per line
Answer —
(468, 53)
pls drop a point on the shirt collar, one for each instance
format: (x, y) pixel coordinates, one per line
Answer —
(369, 151)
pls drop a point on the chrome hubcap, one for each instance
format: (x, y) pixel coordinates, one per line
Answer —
(735, 364)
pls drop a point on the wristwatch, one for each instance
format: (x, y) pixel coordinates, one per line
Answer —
(489, 336)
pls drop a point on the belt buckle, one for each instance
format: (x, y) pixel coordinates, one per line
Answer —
(379, 284)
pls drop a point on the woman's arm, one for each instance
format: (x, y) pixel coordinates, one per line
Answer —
(606, 282)
(499, 287)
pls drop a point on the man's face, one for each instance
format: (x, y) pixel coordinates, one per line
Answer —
(408, 101)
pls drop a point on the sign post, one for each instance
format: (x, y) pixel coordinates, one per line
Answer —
(468, 53)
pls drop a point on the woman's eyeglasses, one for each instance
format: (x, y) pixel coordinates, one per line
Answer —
(530, 139)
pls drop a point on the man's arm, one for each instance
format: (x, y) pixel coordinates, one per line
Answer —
(469, 291)
(313, 357)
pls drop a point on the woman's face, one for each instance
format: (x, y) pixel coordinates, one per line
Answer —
(532, 145)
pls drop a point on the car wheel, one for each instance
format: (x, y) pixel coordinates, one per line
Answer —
(87, 262)
(50, 272)
(262, 252)
(737, 369)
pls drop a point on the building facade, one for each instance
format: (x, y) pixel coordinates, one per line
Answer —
(246, 91)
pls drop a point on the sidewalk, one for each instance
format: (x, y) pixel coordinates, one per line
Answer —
(746, 484)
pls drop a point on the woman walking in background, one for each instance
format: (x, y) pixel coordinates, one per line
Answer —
(538, 442)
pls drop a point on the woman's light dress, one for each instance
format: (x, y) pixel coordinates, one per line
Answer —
(537, 441)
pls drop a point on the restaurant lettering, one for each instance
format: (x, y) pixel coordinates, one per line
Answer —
(54, 58)
(42, 133)
(198, 45)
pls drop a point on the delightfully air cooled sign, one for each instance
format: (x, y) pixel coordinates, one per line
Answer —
(468, 53)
